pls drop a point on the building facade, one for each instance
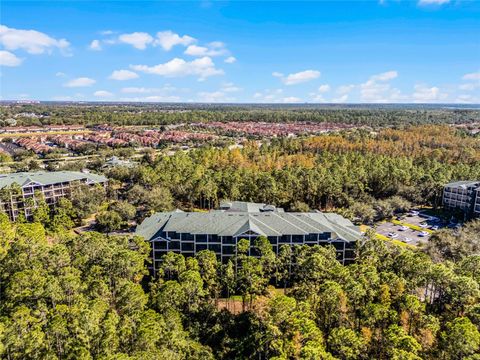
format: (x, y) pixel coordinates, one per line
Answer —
(19, 192)
(220, 230)
(463, 196)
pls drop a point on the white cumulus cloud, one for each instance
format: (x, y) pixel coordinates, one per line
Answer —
(230, 60)
(139, 40)
(143, 90)
(102, 93)
(195, 50)
(298, 78)
(122, 75)
(469, 86)
(230, 87)
(9, 59)
(168, 39)
(345, 89)
(472, 76)
(389, 75)
(433, 2)
(214, 96)
(80, 82)
(32, 41)
(95, 45)
(291, 99)
(378, 89)
(324, 88)
(202, 67)
(423, 94)
(340, 99)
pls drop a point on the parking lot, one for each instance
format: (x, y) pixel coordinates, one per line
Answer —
(409, 235)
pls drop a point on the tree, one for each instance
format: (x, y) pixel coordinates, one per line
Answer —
(209, 272)
(346, 343)
(451, 245)
(109, 221)
(126, 210)
(192, 286)
(172, 265)
(460, 339)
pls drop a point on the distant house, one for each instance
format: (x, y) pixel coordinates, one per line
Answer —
(114, 161)
(18, 191)
(463, 196)
(220, 230)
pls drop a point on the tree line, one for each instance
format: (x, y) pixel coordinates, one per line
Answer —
(163, 114)
(88, 296)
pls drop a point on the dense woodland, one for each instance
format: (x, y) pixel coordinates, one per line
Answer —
(161, 114)
(363, 175)
(89, 296)
(67, 296)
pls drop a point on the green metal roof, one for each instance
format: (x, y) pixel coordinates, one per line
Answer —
(243, 206)
(463, 184)
(225, 223)
(47, 178)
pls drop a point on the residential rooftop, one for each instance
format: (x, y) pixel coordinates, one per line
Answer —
(48, 178)
(464, 184)
(236, 223)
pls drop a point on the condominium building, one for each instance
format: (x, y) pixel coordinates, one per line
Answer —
(464, 196)
(19, 191)
(220, 230)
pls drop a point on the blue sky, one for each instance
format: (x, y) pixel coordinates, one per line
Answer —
(207, 51)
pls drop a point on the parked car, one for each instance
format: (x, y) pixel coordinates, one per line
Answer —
(423, 233)
(392, 235)
(424, 225)
(407, 240)
(414, 213)
(434, 227)
(403, 228)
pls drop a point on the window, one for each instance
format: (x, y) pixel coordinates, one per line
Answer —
(187, 236)
(338, 245)
(174, 245)
(311, 237)
(298, 239)
(201, 238)
(160, 245)
(187, 246)
(254, 252)
(228, 240)
(285, 239)
(273, 240)
(349, 254)
(160, 253)
(201, 247)
(173, 235)
(228, 250)
(325, 236)
(215, 247)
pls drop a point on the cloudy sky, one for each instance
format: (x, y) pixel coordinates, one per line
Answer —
(385, 51)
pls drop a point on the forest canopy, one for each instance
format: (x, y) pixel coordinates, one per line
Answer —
(88, 296)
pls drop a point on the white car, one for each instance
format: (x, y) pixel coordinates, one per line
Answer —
(403, 228)
(392, 235)
(414, 213)
(424, 233)
(424, 225)
(407, 240)
(434, 227)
